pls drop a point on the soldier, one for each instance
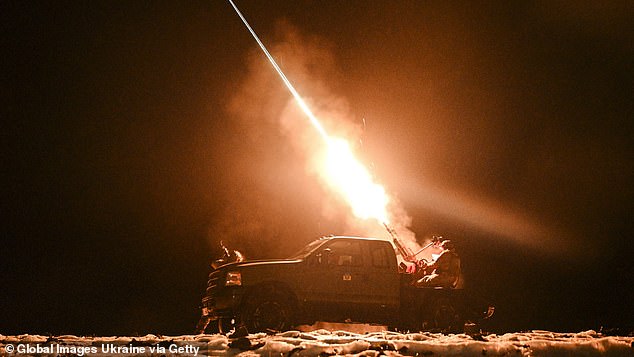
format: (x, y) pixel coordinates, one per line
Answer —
(227, 257)
(445, 269)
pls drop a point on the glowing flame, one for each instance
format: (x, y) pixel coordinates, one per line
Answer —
(343, 171)
(350, 178)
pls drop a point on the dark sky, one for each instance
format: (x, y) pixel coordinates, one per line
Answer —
(129, 150)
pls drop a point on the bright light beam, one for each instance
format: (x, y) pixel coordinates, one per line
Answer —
(298, 98)
(342, 171)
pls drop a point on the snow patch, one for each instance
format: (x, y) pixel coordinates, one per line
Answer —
(340, 342)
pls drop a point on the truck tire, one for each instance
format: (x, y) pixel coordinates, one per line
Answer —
(269, 312)
(445, 317)
(225, 325)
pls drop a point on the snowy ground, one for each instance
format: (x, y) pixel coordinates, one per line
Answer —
(324, 342)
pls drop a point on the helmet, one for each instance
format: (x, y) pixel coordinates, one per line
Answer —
(447, 244)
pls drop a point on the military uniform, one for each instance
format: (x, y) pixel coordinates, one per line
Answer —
(446, 271)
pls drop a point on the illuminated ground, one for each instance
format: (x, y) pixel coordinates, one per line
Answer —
(338, 342)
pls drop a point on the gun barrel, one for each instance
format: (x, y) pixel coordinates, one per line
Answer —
(406, 253)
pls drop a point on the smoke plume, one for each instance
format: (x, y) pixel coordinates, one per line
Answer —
(276, 132)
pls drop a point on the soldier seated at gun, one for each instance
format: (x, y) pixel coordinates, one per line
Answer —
(443, 271)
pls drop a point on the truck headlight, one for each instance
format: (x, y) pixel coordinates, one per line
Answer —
(234, 278)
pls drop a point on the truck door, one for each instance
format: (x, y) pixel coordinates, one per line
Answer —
(335, 284)
(382, 280)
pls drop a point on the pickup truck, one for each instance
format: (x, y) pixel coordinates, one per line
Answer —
(333, 279)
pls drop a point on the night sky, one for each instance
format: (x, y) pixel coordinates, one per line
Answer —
(137, 135)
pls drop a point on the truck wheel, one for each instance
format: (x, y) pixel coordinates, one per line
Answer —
(268, 313)
(445, 317)
(225, 325)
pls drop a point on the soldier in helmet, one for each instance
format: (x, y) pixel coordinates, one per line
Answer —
(444, 271)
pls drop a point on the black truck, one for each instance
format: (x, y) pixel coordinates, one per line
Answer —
(334, 279)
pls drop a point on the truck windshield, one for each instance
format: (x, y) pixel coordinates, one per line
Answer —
(304, 252)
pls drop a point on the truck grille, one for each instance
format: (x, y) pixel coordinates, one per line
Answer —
(214, 280)
(213, 285)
